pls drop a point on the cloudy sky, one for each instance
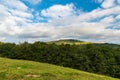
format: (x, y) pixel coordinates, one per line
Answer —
(46, 20)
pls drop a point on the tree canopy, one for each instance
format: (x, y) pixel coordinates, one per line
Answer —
(96, 58)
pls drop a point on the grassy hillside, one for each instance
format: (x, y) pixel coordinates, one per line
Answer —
(28, 70)
(69, 41)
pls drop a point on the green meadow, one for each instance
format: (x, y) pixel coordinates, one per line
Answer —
(29, 70)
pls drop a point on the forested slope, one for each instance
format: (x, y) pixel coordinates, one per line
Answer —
(96, 58)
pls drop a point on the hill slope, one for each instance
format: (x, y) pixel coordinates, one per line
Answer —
(28, 70)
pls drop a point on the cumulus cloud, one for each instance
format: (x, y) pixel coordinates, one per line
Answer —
(59, 11)
(11, 16)
(108, 3)
(98, 13)
(14, 4)
(64, 21)
(21, 13)
(96, 25)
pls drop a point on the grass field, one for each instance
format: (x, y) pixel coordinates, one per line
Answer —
(29, 70)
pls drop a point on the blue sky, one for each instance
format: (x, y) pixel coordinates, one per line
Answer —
(46, 20)
(86, 5)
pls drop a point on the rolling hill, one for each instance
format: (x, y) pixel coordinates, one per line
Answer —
(69, 41)
(29, 70)
(78, 42)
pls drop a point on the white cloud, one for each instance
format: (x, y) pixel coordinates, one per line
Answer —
(11, 16)
(3, 13)
(118, 17)
(108, 3)
(98, 14)
(23, 14)
(9, 26)
(37, 31)
(82, 27)
(34, 2)
(97, 25)
(59, 11)
(107, 20)
(14, 4)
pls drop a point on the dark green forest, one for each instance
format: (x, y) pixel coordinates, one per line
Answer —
(95, 58)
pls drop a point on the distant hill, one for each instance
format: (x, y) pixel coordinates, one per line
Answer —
(69, 41)
(29, 70)
(78, 42)
(108, 44)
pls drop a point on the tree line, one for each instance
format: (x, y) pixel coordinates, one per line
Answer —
(96, 58)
